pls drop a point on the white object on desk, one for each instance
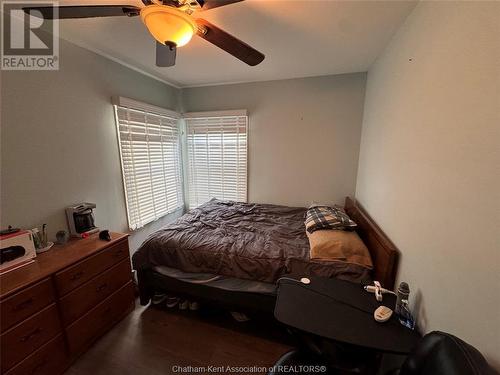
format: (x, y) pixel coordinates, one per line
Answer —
(382, 314)
(378, 290)
(305, 280)
(378, 293)
(371, 289)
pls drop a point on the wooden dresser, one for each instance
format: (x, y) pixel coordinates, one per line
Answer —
(52, 310)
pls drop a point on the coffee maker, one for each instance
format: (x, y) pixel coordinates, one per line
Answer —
(81, 219)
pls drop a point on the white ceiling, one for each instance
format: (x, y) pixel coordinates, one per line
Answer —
(299, 39)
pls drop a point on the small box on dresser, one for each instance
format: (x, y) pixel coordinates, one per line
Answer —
(52, 310)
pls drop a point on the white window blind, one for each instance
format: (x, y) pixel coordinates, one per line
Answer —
(217, 156)
(151, 161)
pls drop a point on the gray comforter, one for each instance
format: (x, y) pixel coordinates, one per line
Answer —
(249, 241)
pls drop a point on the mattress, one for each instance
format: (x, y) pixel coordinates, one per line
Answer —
(259, 242)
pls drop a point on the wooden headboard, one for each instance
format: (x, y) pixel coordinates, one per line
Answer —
(384, 253)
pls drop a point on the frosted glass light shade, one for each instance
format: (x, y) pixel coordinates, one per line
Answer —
(168, 24)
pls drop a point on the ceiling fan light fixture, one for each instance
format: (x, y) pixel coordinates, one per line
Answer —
(168, 24)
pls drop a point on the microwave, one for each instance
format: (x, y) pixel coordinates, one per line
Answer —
(16, 250)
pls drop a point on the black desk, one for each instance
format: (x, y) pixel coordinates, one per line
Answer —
(342, 311)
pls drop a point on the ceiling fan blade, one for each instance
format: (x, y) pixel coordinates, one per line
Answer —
(209, 4)
(165, 54)
(228, 43)
(83, 11)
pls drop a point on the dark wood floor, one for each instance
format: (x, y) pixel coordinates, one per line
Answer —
(153, 341)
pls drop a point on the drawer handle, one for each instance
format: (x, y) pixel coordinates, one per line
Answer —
(39, 366)
(101, 287)
(76, 276)
(23, 305)
(118, 253)
(29, 336)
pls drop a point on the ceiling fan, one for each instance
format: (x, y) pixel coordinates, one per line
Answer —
(170, 22)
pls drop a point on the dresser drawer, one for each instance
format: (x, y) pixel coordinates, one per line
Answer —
(82, 299)
(28, 336)
(25, 303)
(83, 271)
(50, 359)
(93, 324)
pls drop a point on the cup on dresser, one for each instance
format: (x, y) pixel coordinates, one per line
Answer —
(62, 237)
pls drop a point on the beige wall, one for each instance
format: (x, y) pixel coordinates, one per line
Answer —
(429, 164)
(303, 134)
(59, 144)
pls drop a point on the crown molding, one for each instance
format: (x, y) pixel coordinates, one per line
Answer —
(269, 80)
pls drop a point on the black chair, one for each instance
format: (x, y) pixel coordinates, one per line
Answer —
(440, 353)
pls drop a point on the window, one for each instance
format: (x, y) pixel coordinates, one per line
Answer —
(150, 152)
(217, 156)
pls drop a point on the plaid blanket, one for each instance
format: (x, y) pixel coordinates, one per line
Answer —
(324, 217)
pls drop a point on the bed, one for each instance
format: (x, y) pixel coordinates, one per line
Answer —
(233, 254)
